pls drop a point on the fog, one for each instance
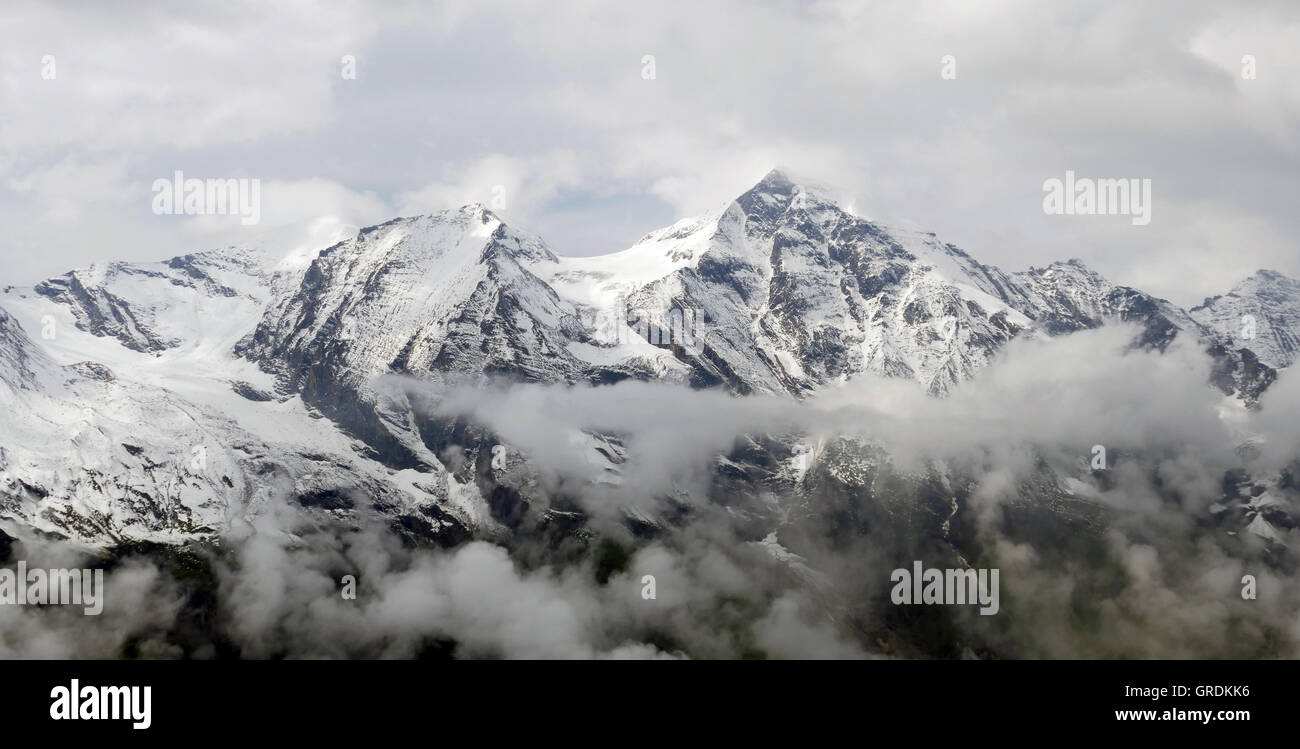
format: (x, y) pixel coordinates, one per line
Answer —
(1163, 578)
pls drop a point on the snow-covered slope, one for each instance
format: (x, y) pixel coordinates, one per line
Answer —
(153, 307)
(790, 292)
(107, 440)
(785, 291)
(22, 364)
(444, 297)
(165, 401)
(1261, 314)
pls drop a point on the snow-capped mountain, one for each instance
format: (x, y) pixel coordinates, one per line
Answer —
(1261, 314)
(153, 307)
(111, 439)
(790, 292)
(166, 401)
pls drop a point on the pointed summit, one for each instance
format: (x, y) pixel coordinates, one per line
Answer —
(480, 212)
(781, 181)
(775, 179)
(1265, 276)
(779, 191)
(1262, 313)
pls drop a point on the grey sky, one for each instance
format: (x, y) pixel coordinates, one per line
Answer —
(548, 101)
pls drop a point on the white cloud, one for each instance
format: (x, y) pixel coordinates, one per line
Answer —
(452, 101)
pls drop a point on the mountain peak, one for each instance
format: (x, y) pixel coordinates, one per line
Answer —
(1073, 267)
(472, 211)
(775, 178)
(480, 212)
(1270, 276)
(779, 191)
(781, 181)
(1262, 313)
(1262, 281)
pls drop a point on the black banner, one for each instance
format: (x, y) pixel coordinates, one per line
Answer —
(329, 699)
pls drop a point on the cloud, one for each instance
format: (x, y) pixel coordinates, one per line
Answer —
(451, 102)
(125, 83)
(516, 188)
(1126, 562)
(1019, 438)
(1274, 424)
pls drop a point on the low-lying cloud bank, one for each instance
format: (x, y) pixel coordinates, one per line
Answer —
(279, 592)
(1159, 574)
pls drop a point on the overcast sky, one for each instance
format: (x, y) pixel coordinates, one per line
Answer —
(550, 102)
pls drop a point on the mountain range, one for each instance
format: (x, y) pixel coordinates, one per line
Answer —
(166, 401)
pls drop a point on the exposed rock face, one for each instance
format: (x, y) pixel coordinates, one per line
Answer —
(276, 377)
(1262, 313)
(138, 304)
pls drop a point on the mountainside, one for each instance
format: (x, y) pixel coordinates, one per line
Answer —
(171, 399)
(789, 292)
(153, 307)
(1261, 314)
(22, 363)
(445, 297)
(111, 439)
